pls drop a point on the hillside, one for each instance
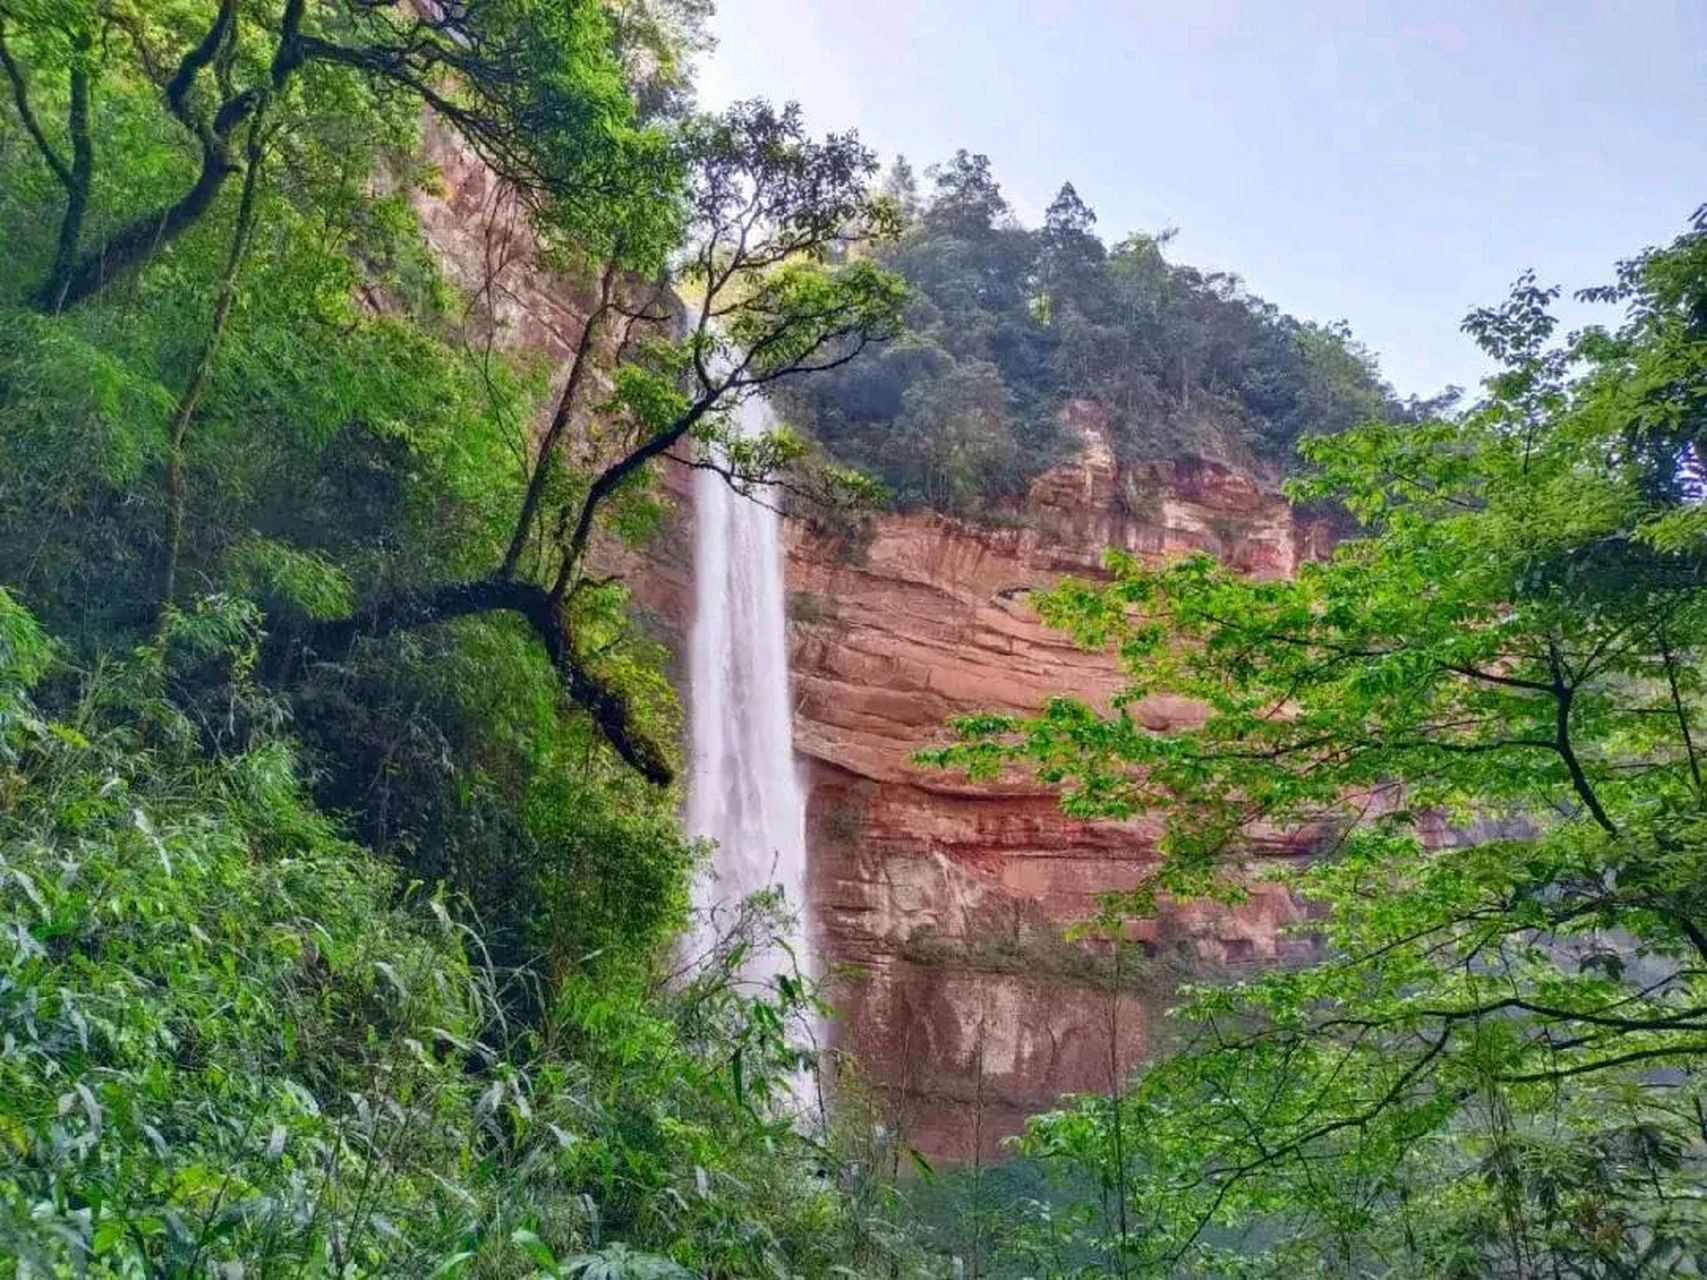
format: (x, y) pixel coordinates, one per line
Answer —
(1008, 324)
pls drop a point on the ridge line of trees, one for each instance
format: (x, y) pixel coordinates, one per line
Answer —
(1010, 323)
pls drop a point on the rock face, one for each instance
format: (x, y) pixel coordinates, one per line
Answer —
(945, 901)
(481, 234)
(941, 904)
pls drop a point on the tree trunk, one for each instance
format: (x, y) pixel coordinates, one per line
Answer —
(542, 612)
(176, 483)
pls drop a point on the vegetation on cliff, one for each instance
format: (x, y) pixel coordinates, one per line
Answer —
(1487, 713)
(1010, 323)
(340, 869)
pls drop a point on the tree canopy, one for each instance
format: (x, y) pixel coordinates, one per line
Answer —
(1010, 323)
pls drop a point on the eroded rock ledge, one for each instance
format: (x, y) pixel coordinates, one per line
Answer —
(946, 900)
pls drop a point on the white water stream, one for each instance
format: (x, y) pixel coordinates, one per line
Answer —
(744, 791)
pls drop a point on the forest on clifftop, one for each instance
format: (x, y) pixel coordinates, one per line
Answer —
(1007, 324)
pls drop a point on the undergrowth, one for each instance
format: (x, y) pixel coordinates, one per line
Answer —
(235, 1044)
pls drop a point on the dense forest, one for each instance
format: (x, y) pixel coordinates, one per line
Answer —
(340, 861)
(1008, 323)
(340, 851)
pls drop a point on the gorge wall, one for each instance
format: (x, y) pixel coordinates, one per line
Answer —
(947, 900)
(942, 903)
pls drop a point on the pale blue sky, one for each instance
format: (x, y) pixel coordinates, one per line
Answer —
(1392, 164)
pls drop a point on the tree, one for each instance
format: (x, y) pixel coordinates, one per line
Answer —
(966, 197)
(536, 94)
(1071, 256)
(765, 205)
(958, 434)
(532, 89)
(901, 186)
(656, 41)
(1483, 716)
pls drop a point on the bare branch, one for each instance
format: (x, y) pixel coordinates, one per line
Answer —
(534, 605)
(552, 437)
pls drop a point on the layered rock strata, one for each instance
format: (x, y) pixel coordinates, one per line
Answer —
(945, 901)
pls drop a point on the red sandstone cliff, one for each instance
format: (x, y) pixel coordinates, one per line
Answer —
(945, 900)
(941, 904)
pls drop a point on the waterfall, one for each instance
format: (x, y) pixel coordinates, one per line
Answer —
(744, 791)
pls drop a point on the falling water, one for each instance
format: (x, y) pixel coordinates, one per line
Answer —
(744, 792)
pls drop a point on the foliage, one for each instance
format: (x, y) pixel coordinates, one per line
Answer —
(222, 1038)
(344, 883)
(1484, 716)
(230, 1040)
(1011, 323)
(534, 89)
(656, 41)
(765, 206)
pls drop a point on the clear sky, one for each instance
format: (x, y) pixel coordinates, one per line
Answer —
(1390, 164)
